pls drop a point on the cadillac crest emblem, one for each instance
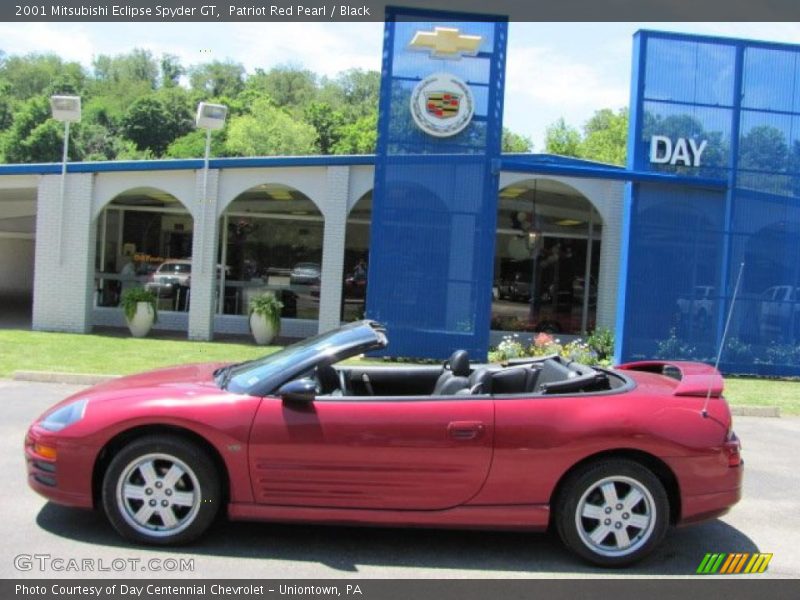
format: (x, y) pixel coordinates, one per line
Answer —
(442, 105)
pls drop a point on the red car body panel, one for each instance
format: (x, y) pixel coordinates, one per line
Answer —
(416, 455)
(477, 461)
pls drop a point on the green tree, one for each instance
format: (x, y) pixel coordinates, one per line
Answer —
(33, 135)
(193, 145)
(136, 66)
(355, 93)
(269, 131)
(153, 122)
(290, 87)
(359, 137)
(514, 142)
(37, 74)
(95, 141)
(562, 139)
(217, 78)
(327, 123)
(6, 108)
(606, 136)
(171, 70)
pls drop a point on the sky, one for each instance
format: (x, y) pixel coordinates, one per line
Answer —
(554, 70)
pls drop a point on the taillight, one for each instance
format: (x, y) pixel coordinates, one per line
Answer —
(733, 448)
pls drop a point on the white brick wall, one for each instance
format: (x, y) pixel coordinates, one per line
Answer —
(204, 257)
(334, 210)
(64, 273)
(63, 287)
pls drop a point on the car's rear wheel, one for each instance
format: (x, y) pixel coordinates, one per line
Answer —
(161, 490)
(612, 513)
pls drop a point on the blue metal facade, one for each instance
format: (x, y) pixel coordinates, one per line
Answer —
(684, 243)
(435, 198)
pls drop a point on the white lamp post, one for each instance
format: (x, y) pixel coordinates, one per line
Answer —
(209, 117)
(66, 109)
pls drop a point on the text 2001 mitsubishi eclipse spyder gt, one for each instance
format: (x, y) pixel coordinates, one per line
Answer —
(609, 458)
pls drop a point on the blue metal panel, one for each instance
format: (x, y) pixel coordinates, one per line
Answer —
(435, 198)
(744, 99)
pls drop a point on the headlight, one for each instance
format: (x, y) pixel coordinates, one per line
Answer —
(66, 415)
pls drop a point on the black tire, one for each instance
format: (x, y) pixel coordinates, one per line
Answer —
(184, 508)
(642, 522)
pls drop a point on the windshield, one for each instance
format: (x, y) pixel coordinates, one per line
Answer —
(262, 376)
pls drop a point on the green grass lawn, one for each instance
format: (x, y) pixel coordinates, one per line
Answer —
(109, 354)
(120, 355)
(764, 392)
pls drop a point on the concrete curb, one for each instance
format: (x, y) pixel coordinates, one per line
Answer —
(756, 411)
(54, 377)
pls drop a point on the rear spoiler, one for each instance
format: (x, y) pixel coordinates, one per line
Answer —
(694, 378)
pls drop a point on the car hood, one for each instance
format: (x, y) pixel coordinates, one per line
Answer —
(200, 374)
(172, 384)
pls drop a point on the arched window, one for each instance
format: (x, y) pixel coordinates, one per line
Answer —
(271, 240)
(144, 238)
(356, 259)
(547, 248)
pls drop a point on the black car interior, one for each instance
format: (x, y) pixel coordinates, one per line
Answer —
(457, 377)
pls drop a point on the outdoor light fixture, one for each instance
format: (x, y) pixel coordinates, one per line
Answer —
(66, 109)
(209, 117)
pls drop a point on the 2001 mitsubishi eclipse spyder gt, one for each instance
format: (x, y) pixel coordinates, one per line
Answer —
(609, 458)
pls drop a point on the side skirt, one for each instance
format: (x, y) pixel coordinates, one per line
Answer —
(531, 517)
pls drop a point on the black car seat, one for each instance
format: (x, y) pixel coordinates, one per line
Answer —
(328, 378)
(514, 380)
(480, 382)
(455, 375)
(553, 372)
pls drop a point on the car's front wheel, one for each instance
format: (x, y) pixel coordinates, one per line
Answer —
(612, 513)
(161, 490)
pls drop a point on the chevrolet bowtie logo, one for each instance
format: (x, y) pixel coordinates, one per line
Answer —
(446, 42)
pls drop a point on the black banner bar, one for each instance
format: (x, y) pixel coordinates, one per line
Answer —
(732, 588)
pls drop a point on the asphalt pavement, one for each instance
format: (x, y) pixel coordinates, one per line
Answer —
(40, 539)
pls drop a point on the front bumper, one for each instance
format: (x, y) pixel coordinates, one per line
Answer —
(65, 479)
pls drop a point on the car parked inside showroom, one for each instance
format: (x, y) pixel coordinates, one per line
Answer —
(608, 458)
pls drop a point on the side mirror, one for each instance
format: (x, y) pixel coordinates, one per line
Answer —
(298, 390)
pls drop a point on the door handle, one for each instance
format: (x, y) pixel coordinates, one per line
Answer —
(464, 431)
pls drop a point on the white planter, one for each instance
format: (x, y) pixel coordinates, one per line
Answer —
(263, 331)
(143, 320)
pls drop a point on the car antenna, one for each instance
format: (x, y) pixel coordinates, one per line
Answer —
(704, 412)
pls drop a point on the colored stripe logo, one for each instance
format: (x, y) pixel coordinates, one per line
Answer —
(733, 564)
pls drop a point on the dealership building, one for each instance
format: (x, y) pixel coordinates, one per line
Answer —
(443, 238)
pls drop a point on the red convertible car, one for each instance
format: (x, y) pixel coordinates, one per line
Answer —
(608, 458)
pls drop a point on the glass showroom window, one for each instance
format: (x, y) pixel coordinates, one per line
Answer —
(547, 248)
(144, 238)
(271, 240)
(356, 260)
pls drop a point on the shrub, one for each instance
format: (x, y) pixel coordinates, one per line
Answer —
(269, 306)
(131, 297)
(602, 342)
